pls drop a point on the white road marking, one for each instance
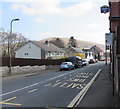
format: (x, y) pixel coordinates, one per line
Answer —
(83, 91)
(32, 90)
(35, 84)
(19, 89)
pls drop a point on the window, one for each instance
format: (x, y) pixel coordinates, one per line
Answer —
(26, 54)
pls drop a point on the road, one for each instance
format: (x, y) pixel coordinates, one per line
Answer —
(55, 89)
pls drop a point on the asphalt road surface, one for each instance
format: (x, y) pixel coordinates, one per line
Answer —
(55, 89)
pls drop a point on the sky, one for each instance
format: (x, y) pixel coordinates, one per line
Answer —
(41, 19)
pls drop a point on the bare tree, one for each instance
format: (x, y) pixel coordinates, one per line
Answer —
(15, 41)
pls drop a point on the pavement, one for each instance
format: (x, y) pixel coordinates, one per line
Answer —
(100, 93)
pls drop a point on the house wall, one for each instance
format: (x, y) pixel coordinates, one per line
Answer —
(53, 55)
(115, 11)
(29, 50)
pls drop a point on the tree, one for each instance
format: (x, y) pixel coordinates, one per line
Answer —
(15, 41)
(58, 42)
(72, 42)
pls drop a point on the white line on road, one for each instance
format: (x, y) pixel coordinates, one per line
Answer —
(81, 94)
(35, 84)
(19, 89)
(32, 90)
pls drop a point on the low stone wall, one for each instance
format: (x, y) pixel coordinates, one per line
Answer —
(26, 69)
(52, 67)
(21, 70)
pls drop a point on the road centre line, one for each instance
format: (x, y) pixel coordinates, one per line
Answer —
(79, 97)
(35, 84)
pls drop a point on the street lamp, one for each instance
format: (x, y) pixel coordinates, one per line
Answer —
(9, 44)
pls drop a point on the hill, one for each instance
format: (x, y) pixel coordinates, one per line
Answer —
(80, 43)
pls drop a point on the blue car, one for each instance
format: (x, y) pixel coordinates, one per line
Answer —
(67, 66)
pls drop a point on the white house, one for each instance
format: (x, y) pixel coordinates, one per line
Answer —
(39, 50)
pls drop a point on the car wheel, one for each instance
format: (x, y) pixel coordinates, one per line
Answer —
(68, 68)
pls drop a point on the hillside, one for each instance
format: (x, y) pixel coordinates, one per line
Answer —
(80, 43)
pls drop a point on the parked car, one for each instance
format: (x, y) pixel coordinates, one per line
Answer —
(67, 66)
(76, 60)
(85, 62)
(96, 60)
(92, 61)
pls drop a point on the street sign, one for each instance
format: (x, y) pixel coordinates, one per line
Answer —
(105, 9)
(107, 47)
(108, 38)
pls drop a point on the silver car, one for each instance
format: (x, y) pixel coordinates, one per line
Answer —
(67, 66)
(85, 62)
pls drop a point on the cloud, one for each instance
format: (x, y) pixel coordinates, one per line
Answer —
(28, 1)
(78, 9)
(39, 20)
(53, 8)
(93, 25)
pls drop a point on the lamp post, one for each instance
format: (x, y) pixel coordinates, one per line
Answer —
(9, 44)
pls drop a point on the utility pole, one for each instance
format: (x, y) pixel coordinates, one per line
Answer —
(9, 46)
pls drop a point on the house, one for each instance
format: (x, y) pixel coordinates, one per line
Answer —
(39, 50)
(72, 51)
(88, 54)
(93, 52)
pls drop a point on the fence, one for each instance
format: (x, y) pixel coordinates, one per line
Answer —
(31, 62)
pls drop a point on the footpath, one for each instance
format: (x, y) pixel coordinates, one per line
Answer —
(100, 93)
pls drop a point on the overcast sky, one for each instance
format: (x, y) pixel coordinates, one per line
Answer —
(56, 18)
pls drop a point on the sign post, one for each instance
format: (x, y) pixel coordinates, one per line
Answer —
(108, 43)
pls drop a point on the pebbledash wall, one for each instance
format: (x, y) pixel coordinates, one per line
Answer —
(21, 70)
(27, 69)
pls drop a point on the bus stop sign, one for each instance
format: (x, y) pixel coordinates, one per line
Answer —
(105, 9)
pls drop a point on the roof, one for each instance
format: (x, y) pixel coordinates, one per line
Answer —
(89, 49)
(77, 49)
(97, 48)
(49, 47)
(85, 49)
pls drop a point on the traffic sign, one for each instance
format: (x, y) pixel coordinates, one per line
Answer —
(108, 38)
(105, 9)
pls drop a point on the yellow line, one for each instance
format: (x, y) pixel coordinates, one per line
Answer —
(5, 102)
(9, 99)
(10, 103)
(32, 90)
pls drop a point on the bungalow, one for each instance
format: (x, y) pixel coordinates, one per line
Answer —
(39, 50)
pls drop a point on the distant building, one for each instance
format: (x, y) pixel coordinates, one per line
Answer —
(39, 50)
(93, 52)
(72, 51)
